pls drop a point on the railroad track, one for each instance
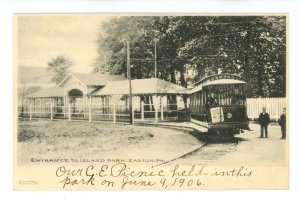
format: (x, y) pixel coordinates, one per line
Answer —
(199, 137)
(216, 150)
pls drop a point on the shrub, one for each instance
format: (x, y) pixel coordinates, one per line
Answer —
(24, 135)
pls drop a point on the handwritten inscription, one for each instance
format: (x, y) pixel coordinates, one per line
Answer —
(121, 176)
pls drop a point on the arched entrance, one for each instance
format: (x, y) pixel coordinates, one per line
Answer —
(75, 93)
(77, 103)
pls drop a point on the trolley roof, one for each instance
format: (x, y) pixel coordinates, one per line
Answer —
(218, 79)
(224, 82)
(218, 76)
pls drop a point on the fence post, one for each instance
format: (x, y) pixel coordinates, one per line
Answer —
(142, 111)
(51, 111)
(30, 112)
(114, 113)
(90, 109)
(69, 112)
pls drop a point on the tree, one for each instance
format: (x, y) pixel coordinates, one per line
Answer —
(253, 47)
(61, 67)
(112, 46)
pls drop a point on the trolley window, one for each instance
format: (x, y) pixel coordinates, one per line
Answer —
(227, 94)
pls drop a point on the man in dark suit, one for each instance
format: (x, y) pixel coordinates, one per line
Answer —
(264, 120)
(282, 123)
(213, 99)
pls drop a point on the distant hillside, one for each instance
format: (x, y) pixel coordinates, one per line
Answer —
(33, 79)
(35, 76)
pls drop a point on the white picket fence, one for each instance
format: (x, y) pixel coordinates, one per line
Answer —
(113, 113)
(273, 106)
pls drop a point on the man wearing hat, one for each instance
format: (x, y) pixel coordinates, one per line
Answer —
(282, 123)
(264, 120)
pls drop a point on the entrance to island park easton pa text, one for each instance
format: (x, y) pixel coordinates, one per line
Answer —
(103, 97)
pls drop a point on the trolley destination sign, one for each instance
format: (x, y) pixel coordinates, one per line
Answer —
(217, 77)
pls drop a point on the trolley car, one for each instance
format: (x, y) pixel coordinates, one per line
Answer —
(218, 103)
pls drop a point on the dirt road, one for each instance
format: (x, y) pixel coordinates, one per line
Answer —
(250, 150)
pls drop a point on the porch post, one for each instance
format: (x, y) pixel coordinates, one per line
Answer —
(34, 105)
(30, 112)
(65, 105)
(55, 105)
(102, 104)
(86, 107)
(69, 111)
(90, 109)
(84, 104)
(114, 113)
(156, 108)
(51, 111)
(142, 110)
(106, 103)
(161, 109)
(41, 111)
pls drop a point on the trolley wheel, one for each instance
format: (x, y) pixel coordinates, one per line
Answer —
(220, 135)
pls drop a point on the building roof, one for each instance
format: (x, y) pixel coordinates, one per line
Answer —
(141, 86)
(47, 93)
(93, 79)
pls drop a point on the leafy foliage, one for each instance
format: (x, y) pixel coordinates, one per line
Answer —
(26, 134)
(191, 47)
(60, 66)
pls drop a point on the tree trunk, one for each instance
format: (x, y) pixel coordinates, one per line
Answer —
(182, 79)
(173, 78)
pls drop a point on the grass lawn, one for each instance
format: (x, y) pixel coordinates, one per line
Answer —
(63, 139)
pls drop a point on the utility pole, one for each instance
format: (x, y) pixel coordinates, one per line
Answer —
(154, 58)
(129, 80)
(156, 106)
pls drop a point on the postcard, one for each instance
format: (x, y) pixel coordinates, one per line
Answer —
(151, 101)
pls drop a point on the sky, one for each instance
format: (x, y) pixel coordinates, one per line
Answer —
(40, 38)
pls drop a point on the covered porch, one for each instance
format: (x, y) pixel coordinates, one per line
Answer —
(43, 104)
(152, 99)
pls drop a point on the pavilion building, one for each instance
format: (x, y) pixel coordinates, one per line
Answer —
(97, 97)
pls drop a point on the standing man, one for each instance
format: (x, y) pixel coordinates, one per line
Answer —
(264, 120)
(282, 123)
(214, 99)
